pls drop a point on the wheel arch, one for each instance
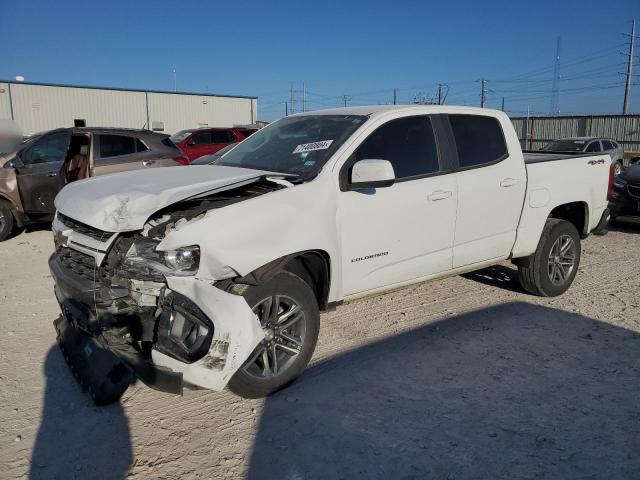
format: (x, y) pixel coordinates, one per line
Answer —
(313, 266)
(576, 213)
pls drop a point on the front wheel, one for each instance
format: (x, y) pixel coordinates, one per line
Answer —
(550, 271)
(6, 220)
(288, 312)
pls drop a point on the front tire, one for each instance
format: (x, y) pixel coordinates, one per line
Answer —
(290, 317)
(550, 271)
(6, 220)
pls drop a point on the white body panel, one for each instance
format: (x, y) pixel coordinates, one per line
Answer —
(375, 240)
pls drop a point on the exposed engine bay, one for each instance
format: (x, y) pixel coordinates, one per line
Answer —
(130, 308)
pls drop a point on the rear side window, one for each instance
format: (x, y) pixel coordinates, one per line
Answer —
(479, 139)
(594, 147)
(140, 147)
(116, 145)
(222, 136)
(408, 143)
(203, 138)
(247, 133)
(607, 145)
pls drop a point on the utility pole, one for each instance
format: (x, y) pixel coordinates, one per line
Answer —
(502, 104)
(554, 108)
(293, 98)
(175, 84)
(286, 109)
(439, 94)
(345, 99)
(482, 94)
(627, 86)
(395, 92)
(304, 98)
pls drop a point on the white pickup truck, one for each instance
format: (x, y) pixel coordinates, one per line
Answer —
(216, 275)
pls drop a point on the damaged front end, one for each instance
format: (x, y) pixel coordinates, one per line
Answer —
(129, 308)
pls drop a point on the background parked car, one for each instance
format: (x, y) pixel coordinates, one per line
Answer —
(590, 145)
(35, 171)
(624, 205)
(214, 157)
(204, 141)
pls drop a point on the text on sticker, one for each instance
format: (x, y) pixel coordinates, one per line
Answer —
(310, 147)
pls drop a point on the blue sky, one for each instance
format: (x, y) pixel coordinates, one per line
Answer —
(358, 48)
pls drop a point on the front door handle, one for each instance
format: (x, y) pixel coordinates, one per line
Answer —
(509, 182)
(440, 195)
(146, 163)
(52, 174)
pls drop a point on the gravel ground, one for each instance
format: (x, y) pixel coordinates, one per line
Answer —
(468, 377)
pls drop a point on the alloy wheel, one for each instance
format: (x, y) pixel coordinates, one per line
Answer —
(284, 327)
(562, 259)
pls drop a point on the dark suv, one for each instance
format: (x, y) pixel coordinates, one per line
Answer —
(32, 174)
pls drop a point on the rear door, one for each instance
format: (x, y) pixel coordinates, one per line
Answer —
(118, 153)
(403, 232)
(41, 176)
(491, 189)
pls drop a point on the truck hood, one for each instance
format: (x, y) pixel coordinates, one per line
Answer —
(124, 201)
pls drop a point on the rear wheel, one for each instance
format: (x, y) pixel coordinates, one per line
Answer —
(550, 271)
(288, 312)
(6, 220)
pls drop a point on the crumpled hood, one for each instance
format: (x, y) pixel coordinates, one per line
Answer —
(124, 201)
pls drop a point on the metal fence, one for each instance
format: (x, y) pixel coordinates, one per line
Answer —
(535, 132)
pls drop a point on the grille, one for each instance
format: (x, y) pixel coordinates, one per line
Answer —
(634, 190)
(78, 262)
(84, 229)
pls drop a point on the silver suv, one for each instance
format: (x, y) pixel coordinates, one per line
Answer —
(589, 145)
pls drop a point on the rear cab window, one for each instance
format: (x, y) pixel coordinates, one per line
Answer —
(408, 143)
(479, 140)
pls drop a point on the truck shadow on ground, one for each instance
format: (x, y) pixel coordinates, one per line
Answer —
(77, 439)
(512, 391)
(497, 276)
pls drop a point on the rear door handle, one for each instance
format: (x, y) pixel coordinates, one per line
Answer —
(146, 163)
(509, 182)
(440, 195)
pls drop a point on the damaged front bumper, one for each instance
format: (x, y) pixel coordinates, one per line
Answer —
(105, 328)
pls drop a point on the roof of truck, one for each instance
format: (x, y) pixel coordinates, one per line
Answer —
(370, 110)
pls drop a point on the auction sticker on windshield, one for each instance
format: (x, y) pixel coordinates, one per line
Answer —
(313, 146)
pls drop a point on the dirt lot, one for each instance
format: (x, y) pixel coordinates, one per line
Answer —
(462, 378)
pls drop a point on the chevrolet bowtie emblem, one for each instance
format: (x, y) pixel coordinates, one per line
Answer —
(60, 239)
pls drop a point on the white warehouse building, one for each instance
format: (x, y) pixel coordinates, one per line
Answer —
(36, 107)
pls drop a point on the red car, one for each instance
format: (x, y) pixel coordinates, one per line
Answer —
(205, 141)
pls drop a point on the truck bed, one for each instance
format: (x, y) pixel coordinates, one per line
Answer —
(536, 156)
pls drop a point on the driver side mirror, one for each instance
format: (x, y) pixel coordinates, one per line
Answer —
(371, 173)
(15, 163)
(191, 142)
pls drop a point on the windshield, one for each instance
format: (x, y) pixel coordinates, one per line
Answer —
(566, 145)
(178, 137)
(294, 145)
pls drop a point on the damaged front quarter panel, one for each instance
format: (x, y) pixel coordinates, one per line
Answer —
(236, 334)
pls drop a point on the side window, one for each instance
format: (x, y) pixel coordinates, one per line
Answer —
(594, 147)
(203, 138)
(479, 139)
(115, 145)
(222, 136)
(140, 147)
(52, 148)
(607, 145)
(408, 143)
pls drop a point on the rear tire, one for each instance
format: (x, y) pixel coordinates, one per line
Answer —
(6, 220)
(291, 333)
(551, 269)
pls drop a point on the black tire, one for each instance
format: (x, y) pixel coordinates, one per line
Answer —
(289, 287)
(6, 220)
(533, 271)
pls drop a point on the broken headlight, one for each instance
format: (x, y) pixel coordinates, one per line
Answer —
(144, 258)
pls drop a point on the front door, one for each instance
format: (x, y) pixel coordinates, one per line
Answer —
(402, 232)
(41, 176)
